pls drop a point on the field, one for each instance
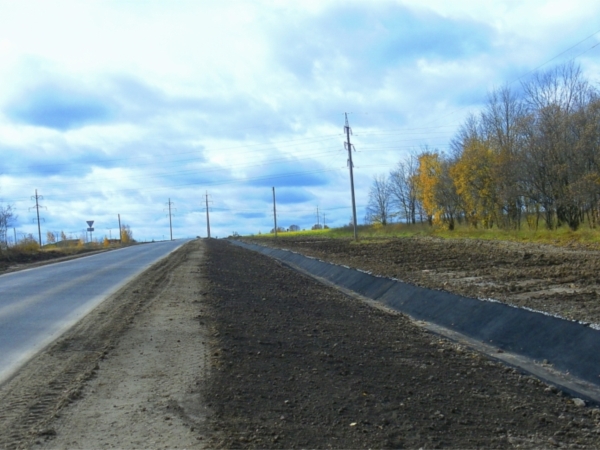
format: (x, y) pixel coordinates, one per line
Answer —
(525, 271)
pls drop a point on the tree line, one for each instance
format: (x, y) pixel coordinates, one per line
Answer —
(530, 157)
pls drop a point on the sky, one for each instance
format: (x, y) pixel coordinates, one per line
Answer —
(123, 107)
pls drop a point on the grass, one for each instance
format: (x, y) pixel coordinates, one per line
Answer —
(29, 251)
(563, 236)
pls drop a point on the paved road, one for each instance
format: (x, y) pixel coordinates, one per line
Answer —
(37, 305)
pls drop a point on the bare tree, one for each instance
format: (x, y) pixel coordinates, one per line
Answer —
(555, 99)
(379, 206)
(403, 188)
(7, 217)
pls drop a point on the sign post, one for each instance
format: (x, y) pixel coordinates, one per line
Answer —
(90, 228)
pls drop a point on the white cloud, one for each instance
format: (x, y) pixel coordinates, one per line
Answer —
(167, 100)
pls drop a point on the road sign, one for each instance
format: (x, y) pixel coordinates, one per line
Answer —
(90, 229)
(90, 223)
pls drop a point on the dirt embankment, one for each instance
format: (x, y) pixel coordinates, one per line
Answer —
(299, 365)
(559, 281)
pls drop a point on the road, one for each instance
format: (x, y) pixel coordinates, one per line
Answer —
(37, 305)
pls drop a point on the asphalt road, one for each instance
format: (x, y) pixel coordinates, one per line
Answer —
(39, 304)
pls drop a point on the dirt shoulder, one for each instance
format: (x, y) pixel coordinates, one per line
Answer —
(125, 376)
(299, 365)
(559, 281)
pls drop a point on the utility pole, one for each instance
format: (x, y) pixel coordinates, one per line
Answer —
(349, 146)
(120, 235)
(169, 203)
(37, 206)
(318, 218)
(274, 212)
(207, 218)
(15, 231)
(324, 223)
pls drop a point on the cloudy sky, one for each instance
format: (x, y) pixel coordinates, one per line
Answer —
(118, 107)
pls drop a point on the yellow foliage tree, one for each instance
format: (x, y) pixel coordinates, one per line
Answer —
(427, 178)
(473, 177)
(126, 234)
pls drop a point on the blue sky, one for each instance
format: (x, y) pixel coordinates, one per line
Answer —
(115, 107)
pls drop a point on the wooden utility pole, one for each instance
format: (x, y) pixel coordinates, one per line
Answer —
(274, 212)
(37, 198)
(169, 203)
(207, 217)
(351, 166)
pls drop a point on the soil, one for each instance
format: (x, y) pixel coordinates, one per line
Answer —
(300, 365)
(559, 281)
(260, 356)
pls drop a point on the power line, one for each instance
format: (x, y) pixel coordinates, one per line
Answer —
(558, 56)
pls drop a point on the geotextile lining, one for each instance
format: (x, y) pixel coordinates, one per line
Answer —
(569, 346)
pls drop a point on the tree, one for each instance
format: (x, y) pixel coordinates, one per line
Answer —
(7, 217)
(474, 183)
(502, 121)
(294, 228)
(403, 188)
(63, 236)
(126, 234)
(50, 238)
(427, 178)
(555, 100)
(379, 206)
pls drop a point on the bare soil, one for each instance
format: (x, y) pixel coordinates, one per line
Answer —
(300, 365)
(560, 281)
(259, 356)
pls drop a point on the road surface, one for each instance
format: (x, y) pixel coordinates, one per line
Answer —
(37, 305)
